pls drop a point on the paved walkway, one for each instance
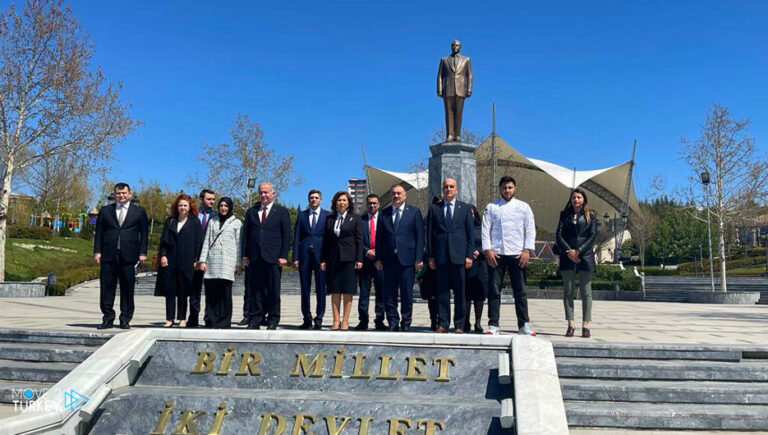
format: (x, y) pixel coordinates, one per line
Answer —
(614, 321)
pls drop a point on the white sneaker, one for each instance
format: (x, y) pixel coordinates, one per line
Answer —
(492, 330)
(526, 330)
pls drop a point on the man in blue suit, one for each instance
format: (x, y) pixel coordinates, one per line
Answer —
(399, 249)
(450, 242)
(307, 243)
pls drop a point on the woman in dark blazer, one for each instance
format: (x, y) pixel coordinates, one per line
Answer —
(476, 276)
(576, 231)
(179, 249)
(342, 255)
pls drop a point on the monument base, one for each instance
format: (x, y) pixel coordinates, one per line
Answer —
(455, 160)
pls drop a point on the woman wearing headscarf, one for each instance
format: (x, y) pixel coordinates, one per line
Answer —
(341, 256)
(576, 231)
(221, 259)
(179, 248)
(477, 276)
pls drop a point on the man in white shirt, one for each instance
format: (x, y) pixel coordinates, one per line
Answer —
(509, 234)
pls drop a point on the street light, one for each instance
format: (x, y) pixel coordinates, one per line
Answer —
(705, 182)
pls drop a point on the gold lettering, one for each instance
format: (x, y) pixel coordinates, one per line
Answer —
(330, 423)
(266, 423)
(303, 367)
(395, 427)
(188, 425)
(226, 361)
(365, 422)
(338, 362)
(249, 364)
(384, 369)
(430, 425)
(357, 373)
(165, 415)
(218, 420)
(301, 424)
(443, 363)
(204, 363)
(416, 369)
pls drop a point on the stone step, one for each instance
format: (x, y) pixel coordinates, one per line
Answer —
(666, 416)
(662, 370)
(593, 390)
(666, 297)
(45, 352)
(54, 337)
(645, 351)
(34, 371)
(14, 390)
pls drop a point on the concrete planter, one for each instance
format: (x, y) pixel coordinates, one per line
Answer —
(729, 298)
(22, 289)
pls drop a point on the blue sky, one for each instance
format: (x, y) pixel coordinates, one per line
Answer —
(574, 81)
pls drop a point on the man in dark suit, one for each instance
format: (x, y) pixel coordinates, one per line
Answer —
(307, 242)
(120, 242)
(450, 241)
(454, 84)
(370, 222)
(399, 250)
(205, 214)
(266, 239)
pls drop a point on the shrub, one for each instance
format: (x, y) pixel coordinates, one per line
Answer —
(29, 232)
(65, 232)
(73, 277)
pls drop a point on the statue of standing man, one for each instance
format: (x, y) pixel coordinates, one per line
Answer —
(454, 84)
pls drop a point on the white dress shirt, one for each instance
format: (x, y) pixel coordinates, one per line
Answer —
(339, 221)
(508, 227)
(394, 212)
(453, 207)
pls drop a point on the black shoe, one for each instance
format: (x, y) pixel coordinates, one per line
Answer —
(264, 321)
(306, 325)
(380, 326)
(433, 325)
(125, 325)
(479, 329)
(362, 326)
(466, 328)
(106, 325)
(318, 324)
(253, 327)
(405, 328)
(393, 328)
(271, 327)
(243, 322)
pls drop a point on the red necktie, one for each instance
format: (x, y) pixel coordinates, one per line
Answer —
(263, 214)
(373, 233)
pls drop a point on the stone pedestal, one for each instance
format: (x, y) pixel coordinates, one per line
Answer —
(455, 160)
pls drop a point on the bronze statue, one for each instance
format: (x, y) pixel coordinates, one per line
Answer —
(454, 84)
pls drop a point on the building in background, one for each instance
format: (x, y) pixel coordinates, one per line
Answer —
(358, 188)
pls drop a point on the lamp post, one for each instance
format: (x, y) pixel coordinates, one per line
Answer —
(705, 182)
(251, 184)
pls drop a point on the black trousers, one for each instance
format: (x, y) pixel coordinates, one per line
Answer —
(263, 293)
(507, 264)
(306, 270)
(194, 299)
(451, 277)
(110, 273)
(218, 303)
(398, 284)
(176, 302)
(367, 274)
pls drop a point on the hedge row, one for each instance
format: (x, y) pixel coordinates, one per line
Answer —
(73, 277)
(28, 232)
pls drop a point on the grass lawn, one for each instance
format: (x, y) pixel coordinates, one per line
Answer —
(70, 259)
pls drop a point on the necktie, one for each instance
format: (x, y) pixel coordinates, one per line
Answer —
(121, 215)
(448, 214)
(372, 230)
(263, 214)
(314, 221)
(337, 230)
(397, 218)
(205, 220)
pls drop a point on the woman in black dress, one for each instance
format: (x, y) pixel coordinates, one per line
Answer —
(179, 249)
(575, 235)
(341, 256)
(477, 276)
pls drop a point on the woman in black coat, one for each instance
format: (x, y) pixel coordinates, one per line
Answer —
(342, 255)
(576, 231)
(179, 249)
(476, 276)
